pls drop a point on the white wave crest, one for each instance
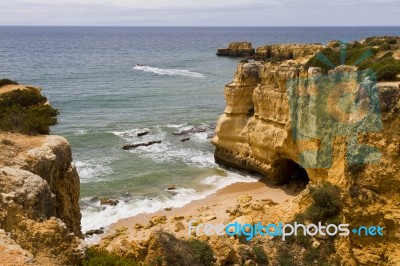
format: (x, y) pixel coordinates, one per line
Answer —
(169, 72)
(92, 170)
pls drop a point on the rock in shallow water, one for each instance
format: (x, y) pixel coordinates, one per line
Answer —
(140, 134)
(108, 201)
(133, 146)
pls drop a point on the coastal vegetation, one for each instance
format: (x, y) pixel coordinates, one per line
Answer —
(326, 208)
(365, 55)
(26, 111)
(101, 257)
(6, 81)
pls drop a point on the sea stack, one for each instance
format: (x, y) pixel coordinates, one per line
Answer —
(237, 49)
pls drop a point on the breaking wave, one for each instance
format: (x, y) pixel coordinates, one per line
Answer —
(169, 72)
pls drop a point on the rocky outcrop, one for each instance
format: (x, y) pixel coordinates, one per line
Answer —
(12, 254)
(39, 194)
(286, 51)
(237, 49)
(281, 117)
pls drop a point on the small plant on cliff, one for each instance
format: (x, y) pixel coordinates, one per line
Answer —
(326, 206)
(5, 81)
(364, 56)
(26, 111)
(202, 252)
(7, 142)
(99, 257)
(261, 256)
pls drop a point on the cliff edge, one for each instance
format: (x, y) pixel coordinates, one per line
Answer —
(39, 194)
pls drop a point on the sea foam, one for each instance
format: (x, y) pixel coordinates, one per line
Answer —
(169, 72)
(95, 216)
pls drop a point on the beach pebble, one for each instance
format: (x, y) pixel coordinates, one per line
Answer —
(177, 218)
(244, 199)
(155, 220)
(179, 226)
(138, 226)
(257, 206)
(204, 208)
(210, 218)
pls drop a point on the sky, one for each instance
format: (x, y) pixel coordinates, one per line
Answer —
(201, 12)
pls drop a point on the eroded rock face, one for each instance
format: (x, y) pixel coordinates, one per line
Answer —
(272, 124)
(286, 51)
(39, 193)
(12, 254)
(237, 49)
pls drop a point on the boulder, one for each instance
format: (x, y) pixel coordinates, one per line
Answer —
(143, 133)
(108, 201)
(237, 49)
(133, 146)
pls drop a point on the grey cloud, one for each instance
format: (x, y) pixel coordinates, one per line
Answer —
(256, 13)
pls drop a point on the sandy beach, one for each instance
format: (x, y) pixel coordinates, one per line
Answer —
(213, 209)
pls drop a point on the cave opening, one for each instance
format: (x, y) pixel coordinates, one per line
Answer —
(292, 174)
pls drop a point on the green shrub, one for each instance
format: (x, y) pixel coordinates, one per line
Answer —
(202, 252)
(386, 55)
(5, 81)
(261, 256)
(310, 255)
(385, 67)
(384, 47)
(318, 60)
(388, 72)
(326, 204)
(7, 142)
(26, 111)
(284, 258)
(96, 257)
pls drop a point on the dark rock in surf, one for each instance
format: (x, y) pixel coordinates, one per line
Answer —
(95, 232)
(185, 139)
(108, 201)
(172, 187)
(211, 135)
(140, 134)
(133, 146)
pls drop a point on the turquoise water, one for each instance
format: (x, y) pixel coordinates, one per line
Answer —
(89, 74)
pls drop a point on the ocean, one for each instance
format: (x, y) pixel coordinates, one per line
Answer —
(104, 99)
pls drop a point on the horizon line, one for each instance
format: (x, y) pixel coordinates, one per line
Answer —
(209, 26)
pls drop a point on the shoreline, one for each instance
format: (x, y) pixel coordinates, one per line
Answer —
(212, 209)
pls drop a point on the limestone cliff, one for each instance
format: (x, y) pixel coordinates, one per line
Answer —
(237, 49)
(286, 51)
(39, 193)
(273, 124)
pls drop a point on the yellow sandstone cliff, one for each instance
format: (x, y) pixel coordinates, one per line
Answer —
(39, 194)
(273, 125)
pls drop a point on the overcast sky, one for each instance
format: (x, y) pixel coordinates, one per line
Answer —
(201, 12)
